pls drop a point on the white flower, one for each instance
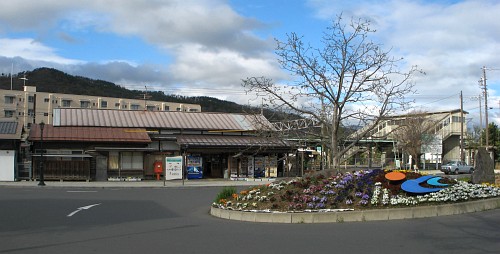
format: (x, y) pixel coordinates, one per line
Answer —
(385, 196)
(376, 193)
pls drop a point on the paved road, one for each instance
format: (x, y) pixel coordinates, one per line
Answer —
(176, 220)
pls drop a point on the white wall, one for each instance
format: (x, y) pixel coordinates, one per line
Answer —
(7, 158)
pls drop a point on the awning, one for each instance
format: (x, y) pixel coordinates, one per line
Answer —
(235, 141)
(144, 149)
(64, 155)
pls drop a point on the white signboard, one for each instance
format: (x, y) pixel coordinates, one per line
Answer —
(173, 168)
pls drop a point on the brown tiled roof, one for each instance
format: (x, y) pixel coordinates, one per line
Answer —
(230, 141)
(158, 119)
(89, 134)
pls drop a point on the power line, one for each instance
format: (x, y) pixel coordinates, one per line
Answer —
(442, 99)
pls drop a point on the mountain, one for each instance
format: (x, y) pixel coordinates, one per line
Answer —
(55, 81)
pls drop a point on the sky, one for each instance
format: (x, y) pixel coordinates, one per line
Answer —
(206, 47)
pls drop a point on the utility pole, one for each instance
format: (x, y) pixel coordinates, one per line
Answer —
(486, 106)
(480, 114)
(486, 100)
(461, 127)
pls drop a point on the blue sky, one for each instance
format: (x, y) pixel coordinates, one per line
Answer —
(195, 47)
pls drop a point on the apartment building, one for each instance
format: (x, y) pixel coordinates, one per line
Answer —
(30, 106)
(447, 127)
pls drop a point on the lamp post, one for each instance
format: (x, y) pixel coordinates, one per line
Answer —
(41, 183)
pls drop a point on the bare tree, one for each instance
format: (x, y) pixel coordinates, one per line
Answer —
(415, 130)
(349, 81)
(473, 137)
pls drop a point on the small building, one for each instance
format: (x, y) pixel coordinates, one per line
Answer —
(117, 144)
(445, 127)
(10, 149)
(67, 152)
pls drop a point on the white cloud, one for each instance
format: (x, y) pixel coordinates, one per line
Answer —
(449, 40)
(225, 67)
(31, 50)
(166, 23)
(212, 45)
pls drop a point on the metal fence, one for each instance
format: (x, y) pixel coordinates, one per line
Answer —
(64, 170)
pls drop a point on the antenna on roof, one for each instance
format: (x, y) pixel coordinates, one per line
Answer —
(146, 97)
(11, 72)
(24, 78)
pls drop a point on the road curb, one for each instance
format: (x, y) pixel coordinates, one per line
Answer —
(360, 215)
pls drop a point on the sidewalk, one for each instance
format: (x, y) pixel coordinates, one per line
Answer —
(141, 184)
(161, 183)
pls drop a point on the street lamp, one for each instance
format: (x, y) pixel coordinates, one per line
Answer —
(42, 126)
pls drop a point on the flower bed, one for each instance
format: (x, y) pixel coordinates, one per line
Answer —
(350, 191)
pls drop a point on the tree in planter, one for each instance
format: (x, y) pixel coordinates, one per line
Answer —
(349, 81)
(494, 139)
(415, 131)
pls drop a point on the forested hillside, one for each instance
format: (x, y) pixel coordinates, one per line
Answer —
(55, 81)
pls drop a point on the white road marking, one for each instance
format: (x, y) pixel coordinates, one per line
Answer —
(82, 208)
(80, 191)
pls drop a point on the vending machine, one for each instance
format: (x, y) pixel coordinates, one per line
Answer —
(194, 167)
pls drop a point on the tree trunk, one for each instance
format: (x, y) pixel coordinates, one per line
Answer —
(334, 143)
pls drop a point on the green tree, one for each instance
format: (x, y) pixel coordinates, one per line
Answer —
(493, 139)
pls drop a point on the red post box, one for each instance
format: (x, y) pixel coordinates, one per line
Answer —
(158, 165)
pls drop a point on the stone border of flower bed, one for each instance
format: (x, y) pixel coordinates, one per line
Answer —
(359, 215)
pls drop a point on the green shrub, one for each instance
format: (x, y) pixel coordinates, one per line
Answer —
(225, 193)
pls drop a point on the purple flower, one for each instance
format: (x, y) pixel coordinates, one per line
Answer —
(310, 205)
(358, 194)
(320, 205)
(365, 197)
(348, 202)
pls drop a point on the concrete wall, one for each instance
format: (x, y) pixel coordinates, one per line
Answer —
(360, 215)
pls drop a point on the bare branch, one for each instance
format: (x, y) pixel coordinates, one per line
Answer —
(348, 81)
